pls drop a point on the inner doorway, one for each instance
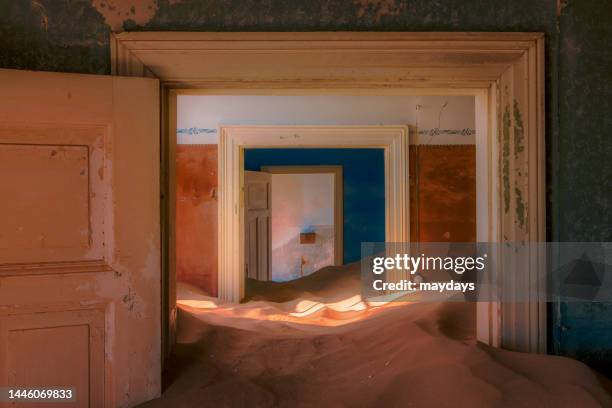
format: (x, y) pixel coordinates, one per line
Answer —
(436, 144)
(299, 227)
(440, 125)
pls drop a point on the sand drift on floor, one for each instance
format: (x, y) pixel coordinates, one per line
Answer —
(315, 342)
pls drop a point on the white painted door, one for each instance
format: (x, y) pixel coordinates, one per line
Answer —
(258, 229)
(80, 236)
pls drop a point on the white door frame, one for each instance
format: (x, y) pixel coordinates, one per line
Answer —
(505, 71)
(234, 139)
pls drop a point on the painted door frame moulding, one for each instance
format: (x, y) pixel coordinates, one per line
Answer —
(233, 140)
(504, 71)
(337, 172)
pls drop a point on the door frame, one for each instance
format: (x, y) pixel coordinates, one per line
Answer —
(338, 198)
(504, 71)
(233, 140)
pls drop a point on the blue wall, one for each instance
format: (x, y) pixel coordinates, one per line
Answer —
(364, 187)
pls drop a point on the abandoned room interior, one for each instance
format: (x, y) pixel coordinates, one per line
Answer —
(209, 204)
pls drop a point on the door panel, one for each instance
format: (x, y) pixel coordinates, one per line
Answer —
(251, 248)
(79, 237)
(258, 210)
(54, 178)
(68, 345)
(264, 240)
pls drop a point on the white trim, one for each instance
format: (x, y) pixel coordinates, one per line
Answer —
(510, 66)
(487, 204)
(234, 139)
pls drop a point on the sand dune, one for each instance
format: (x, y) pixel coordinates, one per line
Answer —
(315, 342)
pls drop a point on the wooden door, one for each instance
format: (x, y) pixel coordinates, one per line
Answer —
(80, 236)
(258, 228)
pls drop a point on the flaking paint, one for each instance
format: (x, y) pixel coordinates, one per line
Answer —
(505, 142)
(196, 216)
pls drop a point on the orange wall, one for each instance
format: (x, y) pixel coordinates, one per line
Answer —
(196, 216)
(443, 209)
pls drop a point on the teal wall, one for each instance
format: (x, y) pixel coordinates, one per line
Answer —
(72, 36)
(581, 167)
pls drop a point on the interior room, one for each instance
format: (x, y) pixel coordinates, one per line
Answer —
(307, 210)
(190, 191)
(442, 153)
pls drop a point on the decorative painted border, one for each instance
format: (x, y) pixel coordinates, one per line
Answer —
(196, 131)
(438, 131)
(424, 132)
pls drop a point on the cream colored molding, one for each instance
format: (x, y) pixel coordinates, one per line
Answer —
(234, 139)
(504, 71)
(124, 61)
(319, 60)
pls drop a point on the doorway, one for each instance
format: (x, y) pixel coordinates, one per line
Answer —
(504, 71)
(439, 124)
(307, 223)
(250, 155)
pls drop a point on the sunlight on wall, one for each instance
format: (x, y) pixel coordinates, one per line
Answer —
(301, 203)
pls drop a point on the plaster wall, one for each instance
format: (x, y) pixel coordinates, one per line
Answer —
(437, 119)
(301, 203)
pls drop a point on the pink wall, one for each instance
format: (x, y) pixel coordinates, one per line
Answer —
(301, 203)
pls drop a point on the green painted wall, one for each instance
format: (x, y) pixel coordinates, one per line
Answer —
(72, 36)
(581, 167)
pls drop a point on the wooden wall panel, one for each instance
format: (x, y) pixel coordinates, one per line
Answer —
(59, 172)
(55, 179)
(66, 346)
(196, 216)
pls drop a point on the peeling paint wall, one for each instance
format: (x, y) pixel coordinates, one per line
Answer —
(196, 216)
(443, 193)
(581, 167)
(73, 36)
(117, 12)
